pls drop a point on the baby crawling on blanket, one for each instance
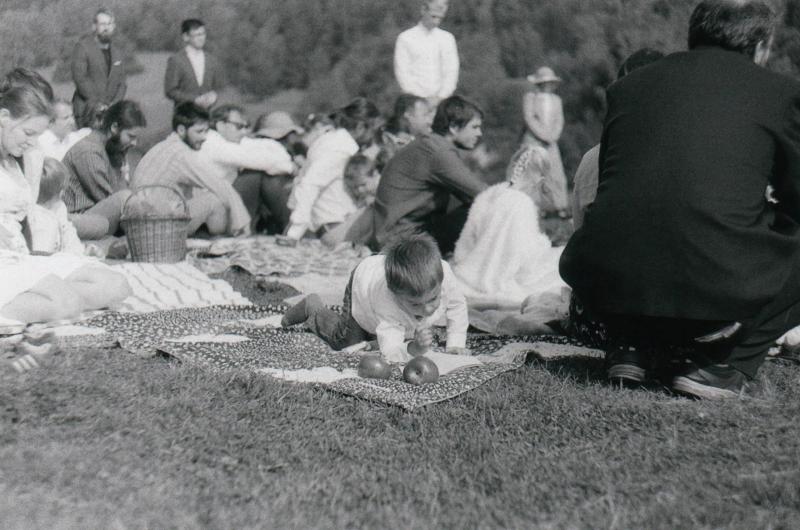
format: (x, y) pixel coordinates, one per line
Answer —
(396, 296)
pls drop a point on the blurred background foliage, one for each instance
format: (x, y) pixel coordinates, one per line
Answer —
(333, 50)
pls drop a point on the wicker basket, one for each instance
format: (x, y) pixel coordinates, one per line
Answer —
(156, 238)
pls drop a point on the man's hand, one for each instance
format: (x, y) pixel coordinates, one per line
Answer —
(457, 350)
(423, 340)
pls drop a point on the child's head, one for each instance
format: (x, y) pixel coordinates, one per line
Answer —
(414, 274)
(53, 182)
(358, 176)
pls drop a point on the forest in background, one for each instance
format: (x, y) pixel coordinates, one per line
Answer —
(334, 50)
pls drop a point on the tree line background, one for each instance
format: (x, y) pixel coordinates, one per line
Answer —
(333, 50)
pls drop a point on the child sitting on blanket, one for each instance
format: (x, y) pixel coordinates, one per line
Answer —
(361, 183)
(50, 229)
(397, 296)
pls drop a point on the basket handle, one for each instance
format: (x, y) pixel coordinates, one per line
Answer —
(170, 188)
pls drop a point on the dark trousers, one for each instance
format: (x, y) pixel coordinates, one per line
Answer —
(745, 350)
(446, 228)
(272, 191)
(338, 330)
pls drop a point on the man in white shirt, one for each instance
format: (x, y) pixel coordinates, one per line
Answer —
(426, 57)
(241, 161)
(57, 139)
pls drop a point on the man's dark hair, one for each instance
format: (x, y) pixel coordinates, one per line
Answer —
(454, 111)
(733, 25)
(187, 114)
(191, 24)
(126, 114)
(638, 59)
(223, 112)
(398, 123)
(360, 110)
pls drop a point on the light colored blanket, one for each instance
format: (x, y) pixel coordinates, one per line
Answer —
(158, 286)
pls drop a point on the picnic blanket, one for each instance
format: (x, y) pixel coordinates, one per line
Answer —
(262, 255)
(159, 286)
(247, 338)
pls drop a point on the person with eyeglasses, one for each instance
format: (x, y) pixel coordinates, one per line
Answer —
(243, 162)
(193, 74)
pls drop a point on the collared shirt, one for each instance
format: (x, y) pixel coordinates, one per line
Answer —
(53, 147)
(92, 177)
(197, 58)
(319, 194)
(418, 182)
(262, 154)
(426, 62)
(173, 163)
(375, 309)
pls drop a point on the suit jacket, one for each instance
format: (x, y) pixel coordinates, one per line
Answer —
(680, 227)
(94, 83)
(180, 83)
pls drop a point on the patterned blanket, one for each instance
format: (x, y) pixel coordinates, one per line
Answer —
(262, 255)
(247, 338)
(159, 286)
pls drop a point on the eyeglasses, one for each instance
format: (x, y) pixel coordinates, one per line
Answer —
(239, 124)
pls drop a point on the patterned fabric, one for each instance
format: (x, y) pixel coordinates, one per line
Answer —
(159, 286)
(241, 338)
(261, 255)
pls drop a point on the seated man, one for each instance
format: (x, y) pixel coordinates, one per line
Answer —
(228, 151)
(418, 181)
(61, 135)
(176, 162)
(99, 171)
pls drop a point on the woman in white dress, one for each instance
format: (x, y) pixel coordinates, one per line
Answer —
(38, 288)
(502, 258)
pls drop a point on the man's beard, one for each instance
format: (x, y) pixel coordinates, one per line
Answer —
(116, 152)
(104, 38)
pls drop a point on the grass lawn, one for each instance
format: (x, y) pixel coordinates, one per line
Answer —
(103, 439)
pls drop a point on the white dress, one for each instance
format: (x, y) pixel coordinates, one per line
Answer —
(16, 200)
(501, 254)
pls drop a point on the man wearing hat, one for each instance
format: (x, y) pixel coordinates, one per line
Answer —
(544, 121)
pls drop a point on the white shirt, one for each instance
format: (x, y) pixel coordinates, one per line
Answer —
(319, 196)
(197, 58)
(426, 62)
(375, 309)
(226, 158)
(52, 147)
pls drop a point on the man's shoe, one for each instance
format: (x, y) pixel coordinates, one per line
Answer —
(626, 366)
(716, 381)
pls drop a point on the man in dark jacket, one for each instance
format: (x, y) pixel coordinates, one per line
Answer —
(97, 70)
(417, 183)
(193, 74)
(681, 243)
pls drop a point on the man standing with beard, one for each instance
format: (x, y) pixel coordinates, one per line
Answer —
(176, 162)
(97, 69)
(416, 185)
(99, 171)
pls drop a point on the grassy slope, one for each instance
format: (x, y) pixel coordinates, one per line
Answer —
(104, 439)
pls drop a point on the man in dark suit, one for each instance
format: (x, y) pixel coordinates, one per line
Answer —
(97, 70)
(681, 243)
(192, 73)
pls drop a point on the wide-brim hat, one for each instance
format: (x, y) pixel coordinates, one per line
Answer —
(277, 125)
(545, 74)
